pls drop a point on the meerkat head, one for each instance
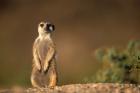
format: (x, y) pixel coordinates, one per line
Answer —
(45, 28)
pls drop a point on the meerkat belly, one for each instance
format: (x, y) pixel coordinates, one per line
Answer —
(41, 78)
(42, 51)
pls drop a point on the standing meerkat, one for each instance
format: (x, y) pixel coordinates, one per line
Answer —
(44, 63)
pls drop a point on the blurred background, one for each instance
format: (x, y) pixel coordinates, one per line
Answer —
(82, 26)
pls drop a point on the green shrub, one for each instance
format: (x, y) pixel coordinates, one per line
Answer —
(119, 65)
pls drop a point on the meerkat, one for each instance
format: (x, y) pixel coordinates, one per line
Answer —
(44, 72)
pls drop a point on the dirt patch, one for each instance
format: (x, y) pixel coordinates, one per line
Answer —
(81, 88)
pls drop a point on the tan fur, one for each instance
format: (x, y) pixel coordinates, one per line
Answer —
(44, 63)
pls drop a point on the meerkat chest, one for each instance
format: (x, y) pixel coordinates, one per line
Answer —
(43, 46)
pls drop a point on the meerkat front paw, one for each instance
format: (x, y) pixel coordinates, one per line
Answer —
(39, 68)
(45, 67)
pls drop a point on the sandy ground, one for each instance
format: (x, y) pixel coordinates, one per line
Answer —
(81, 88)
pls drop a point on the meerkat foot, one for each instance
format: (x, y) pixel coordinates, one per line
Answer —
(51, 87)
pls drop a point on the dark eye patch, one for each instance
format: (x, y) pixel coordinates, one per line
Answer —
(41, 24)
(50, 27)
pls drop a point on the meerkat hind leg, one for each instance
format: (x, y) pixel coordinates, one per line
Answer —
(36, 79)
(53, 80)
(52, 75)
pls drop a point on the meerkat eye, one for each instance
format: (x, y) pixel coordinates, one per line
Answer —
(41, 24)
(50, 27)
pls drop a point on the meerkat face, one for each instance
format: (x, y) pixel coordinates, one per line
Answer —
(45, 27)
